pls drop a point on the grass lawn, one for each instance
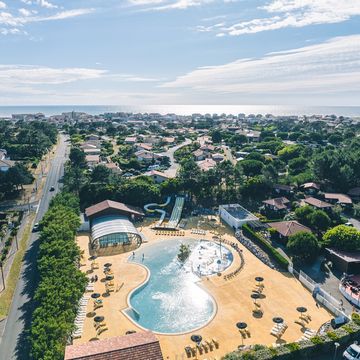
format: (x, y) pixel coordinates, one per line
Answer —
(11, 281)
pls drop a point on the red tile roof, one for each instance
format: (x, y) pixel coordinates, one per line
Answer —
(109, 204)
(311, 185)
(288, 228)
(279, 203)
(317, 203)
(138, 346)
(341, 198)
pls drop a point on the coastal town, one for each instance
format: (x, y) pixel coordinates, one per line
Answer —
(179, 237)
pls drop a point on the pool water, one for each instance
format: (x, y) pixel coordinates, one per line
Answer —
(171, 301)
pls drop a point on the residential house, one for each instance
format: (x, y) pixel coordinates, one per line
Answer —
(207, 164)
(285, 229)
(146, 156)
(207, 148)
(93, 137)
(88, 145)
(310, 187)
(199, 155)
(280, 204)
(5, 164)
(130, 140)
(92, 160)
(317, 204)
(168, 140)
(340, 199)
(94, 151)
(283, 189)
(159, 177)
(113, 167)
(143, 146)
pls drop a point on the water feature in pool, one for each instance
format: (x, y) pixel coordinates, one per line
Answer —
(171, 301)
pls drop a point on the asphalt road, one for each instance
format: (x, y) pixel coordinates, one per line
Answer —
(172, 170)
(13, 343)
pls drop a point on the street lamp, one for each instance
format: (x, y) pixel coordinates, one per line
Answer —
(336, 347)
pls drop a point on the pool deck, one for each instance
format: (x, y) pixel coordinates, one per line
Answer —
(283, 294)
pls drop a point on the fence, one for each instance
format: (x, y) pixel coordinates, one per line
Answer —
(319, 293)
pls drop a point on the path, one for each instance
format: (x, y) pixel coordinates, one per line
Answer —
(13, 343)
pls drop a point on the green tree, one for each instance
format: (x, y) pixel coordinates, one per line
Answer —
(342, 237)
(216, 136)
(303, 247)
(184, 253)
(319, 221)
(77, 157)
(251, 167)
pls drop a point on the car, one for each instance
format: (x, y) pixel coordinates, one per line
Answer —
(52, 189)
(338, 322)
(349, 224)
(36, 227)
(352, 352)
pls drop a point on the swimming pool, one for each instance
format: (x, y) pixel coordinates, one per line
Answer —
(171, 301)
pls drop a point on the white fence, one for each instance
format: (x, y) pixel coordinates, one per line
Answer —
(320, 294)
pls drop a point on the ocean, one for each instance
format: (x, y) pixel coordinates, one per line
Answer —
(278, 110)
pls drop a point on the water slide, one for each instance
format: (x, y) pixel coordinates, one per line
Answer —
(176, 213)
(160, 211)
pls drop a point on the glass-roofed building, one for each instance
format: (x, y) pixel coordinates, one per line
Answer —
(111, 230)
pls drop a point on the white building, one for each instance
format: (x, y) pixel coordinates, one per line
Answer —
(235, 215)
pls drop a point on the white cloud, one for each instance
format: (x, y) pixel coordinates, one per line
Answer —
(43, 3)
(329, 67)
(2, 5)
(38, 75)
(295, 13)
(26, 16)
(162, 5)
(25, 12)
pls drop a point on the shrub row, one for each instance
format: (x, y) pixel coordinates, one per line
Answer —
(61, 283)
(264, 245)
(308, 349)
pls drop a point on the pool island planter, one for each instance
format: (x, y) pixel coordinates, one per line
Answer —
(130, 308)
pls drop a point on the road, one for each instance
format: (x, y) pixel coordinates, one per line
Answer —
(172, 170)
(13, 344)
(228, 154)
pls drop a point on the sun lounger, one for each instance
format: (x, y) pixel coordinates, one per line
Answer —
(199, 348)
(210, 344)
(215, 342)
(100, 331)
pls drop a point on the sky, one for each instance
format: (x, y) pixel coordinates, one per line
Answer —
(148, 52)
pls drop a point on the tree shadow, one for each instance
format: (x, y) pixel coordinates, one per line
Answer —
(30, 278)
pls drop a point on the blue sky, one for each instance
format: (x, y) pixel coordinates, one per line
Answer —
(180, 52)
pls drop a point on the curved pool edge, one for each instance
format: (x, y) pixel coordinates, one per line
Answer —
(144, 283)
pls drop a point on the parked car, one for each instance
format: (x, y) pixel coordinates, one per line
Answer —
(339, 321)
(52, 189)
(36, 227)
(352, 352)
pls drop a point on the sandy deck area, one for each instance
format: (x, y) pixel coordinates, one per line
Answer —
(282, 295)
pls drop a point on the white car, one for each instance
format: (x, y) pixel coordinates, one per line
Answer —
(352, 352)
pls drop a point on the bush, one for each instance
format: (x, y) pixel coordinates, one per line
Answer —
(268, 248)
(355, 317)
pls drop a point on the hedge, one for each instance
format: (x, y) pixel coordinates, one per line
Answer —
(307, 349)
(264, 245)
(61, 283)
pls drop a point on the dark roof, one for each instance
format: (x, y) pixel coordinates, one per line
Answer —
(279, 203)
(288, 228)
(354, 191)
(109, 204)
(348, 256)
(139, 346)
(283, 187)
(341, 198)
(317, 203)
